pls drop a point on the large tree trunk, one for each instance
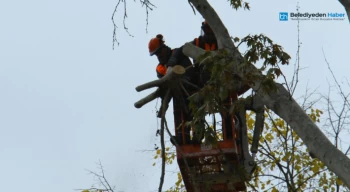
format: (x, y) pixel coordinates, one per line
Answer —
(346, 4)
(280, 102)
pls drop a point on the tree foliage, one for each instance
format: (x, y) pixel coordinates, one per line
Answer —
(284, 163)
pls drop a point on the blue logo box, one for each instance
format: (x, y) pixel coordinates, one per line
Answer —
(283, 16)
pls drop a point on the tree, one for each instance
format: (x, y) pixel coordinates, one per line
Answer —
(275, 97)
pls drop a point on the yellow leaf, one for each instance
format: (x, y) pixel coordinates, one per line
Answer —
(274, 190)
(158, 151)
(261, 140)
(154, 164)
(339, 182)
(269, 137)
(315, 168)
(285, 158)
(250, 123)
(267, 126)
(280, 123)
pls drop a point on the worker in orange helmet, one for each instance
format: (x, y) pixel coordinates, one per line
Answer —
(208, 42)
(168, 57)
(207, 39)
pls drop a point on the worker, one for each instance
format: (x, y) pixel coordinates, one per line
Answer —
(171, 57)
(208, 42)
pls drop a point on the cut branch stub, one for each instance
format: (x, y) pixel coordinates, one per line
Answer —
(147, 99)
(170, 80)
(172, 73)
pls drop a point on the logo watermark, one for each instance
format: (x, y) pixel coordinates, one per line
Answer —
(283, 16)
(311, 16)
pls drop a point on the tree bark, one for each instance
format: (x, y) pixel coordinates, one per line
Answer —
(280, 102)
(346, 4)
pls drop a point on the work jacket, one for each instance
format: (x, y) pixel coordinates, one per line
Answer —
(202, 43)
(176, 57)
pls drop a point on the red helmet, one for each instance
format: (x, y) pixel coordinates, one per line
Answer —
(155, 43)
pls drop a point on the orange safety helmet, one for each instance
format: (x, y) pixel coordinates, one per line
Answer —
(155, 43)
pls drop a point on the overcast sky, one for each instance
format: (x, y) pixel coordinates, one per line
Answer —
(67, 97)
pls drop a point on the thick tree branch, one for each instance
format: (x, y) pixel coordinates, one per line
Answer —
(346, 4)
(220, 31)
(172, 73)
(147, 99)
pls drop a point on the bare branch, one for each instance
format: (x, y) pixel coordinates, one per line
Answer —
(335, 79)
(164, 108)
(347, 151)
(148, 7)
(125, 16)
(297, 62)
(114, 25)
(102, 179)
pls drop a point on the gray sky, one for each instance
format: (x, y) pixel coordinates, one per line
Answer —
(67, 98)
